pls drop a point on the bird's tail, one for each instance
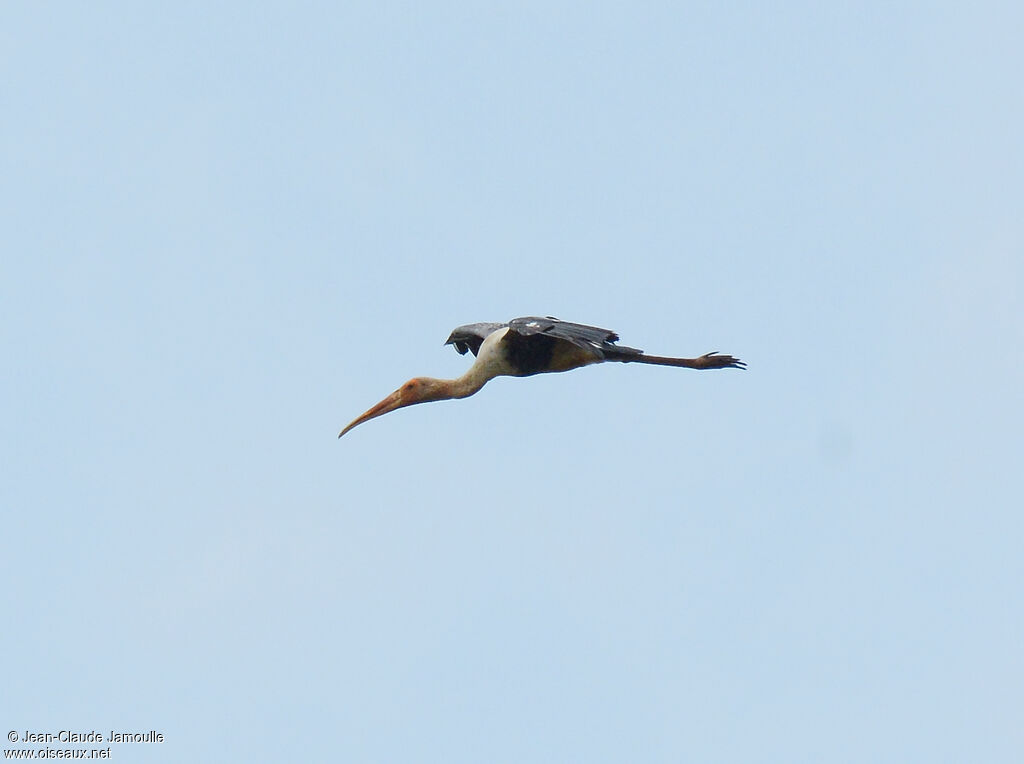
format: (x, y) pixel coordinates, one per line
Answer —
(706, 361)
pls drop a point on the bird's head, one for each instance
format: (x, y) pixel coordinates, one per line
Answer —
(416, 390)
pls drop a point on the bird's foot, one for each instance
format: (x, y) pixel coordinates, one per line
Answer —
(714, 360)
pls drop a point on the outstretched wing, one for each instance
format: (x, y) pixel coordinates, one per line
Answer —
(534, 345)
(593, 339)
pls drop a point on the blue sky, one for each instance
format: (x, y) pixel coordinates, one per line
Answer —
(230, 229)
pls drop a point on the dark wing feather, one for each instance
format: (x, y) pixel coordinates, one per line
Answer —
(471, 336)
(534, 335)
(591, 338)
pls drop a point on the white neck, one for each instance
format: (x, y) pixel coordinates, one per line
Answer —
(490, 363)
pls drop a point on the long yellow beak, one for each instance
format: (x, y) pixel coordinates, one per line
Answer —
(389, 404)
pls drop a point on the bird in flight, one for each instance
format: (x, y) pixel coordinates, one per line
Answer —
(524, 347)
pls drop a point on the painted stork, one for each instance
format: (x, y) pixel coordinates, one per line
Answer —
(523, 347)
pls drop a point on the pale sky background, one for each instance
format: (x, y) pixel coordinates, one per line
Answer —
(230, 228)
